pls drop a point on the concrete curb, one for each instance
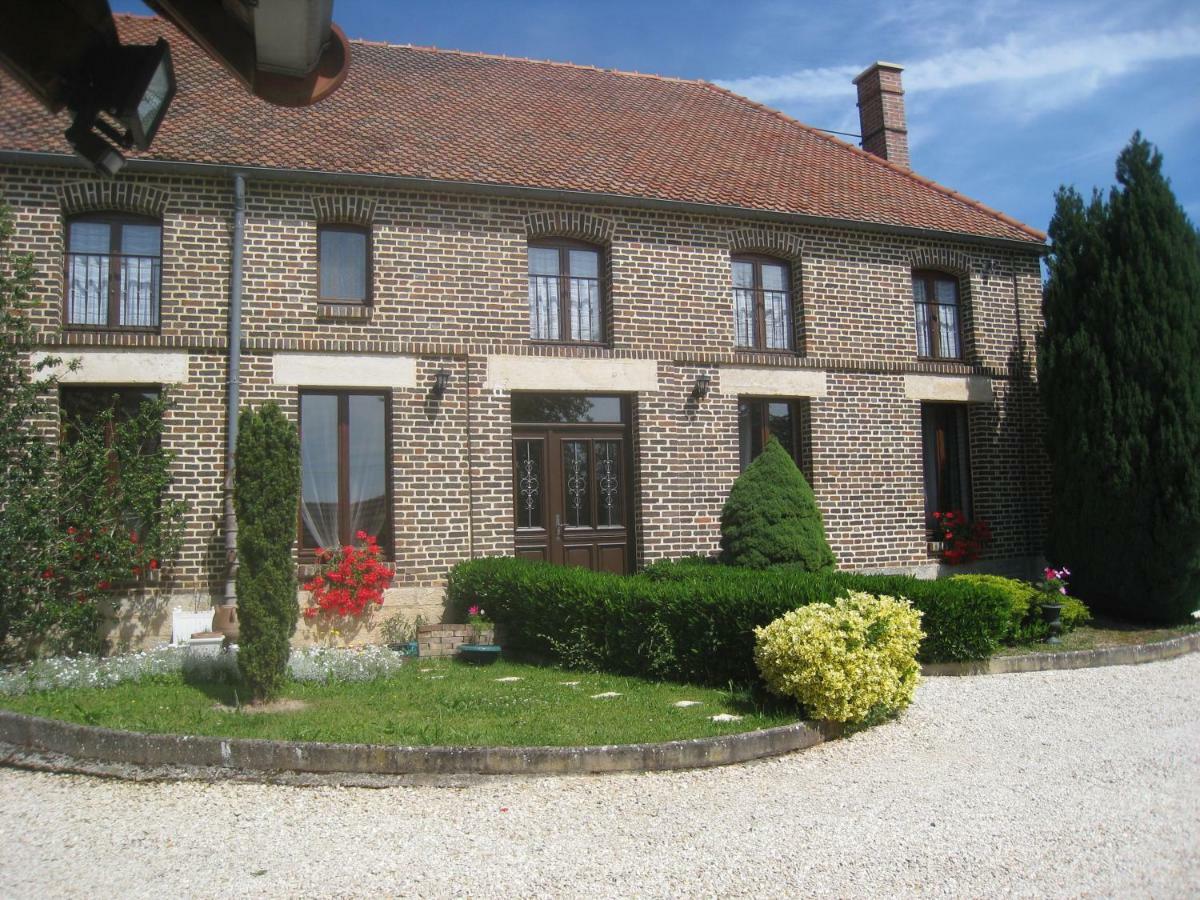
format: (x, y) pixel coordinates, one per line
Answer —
(49, 744)
(1132, 654)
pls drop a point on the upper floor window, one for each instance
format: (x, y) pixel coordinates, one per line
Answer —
(565, 300)
(114, 271)
(935, 296)
(762, 303)
(345, 263)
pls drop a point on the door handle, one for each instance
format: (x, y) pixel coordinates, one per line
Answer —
(558, 525)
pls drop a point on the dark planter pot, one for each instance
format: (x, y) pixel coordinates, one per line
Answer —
(1052, 615)
(480, 654)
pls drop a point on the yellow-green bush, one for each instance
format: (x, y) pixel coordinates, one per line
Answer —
(846, 661)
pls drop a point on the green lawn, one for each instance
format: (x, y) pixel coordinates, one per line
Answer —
(430, 702)
(1101, 633)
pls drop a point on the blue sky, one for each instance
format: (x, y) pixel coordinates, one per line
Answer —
(1006, 99)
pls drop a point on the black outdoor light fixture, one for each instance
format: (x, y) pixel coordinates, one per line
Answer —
(441, 381)
(131, 86)
(703, 382)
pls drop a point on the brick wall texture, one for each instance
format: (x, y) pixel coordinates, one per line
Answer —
(450, 289)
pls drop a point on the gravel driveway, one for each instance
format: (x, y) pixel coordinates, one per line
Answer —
(1056, 783)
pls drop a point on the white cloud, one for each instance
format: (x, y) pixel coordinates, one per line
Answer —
(1069, 69)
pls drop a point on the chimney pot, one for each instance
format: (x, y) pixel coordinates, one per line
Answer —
(881, 112)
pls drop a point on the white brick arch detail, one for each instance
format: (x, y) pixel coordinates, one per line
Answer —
(580, 226)
(344, 209)
(767, 242)
(112, 196)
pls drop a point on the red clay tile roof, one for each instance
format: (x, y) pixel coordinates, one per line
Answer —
(467, 117)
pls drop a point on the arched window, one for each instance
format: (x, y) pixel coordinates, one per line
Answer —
(762, 303)
(114, 271)
(566, 298)
(939, 330)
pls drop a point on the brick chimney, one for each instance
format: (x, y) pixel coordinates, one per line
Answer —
(881, 112)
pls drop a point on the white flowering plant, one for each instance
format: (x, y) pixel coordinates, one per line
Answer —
(312, 664)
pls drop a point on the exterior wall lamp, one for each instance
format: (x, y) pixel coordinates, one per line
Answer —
(441, 381)
(703, 382)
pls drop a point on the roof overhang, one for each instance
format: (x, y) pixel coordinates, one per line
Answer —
(428, 185)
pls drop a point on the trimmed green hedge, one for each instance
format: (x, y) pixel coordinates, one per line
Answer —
(694, 621)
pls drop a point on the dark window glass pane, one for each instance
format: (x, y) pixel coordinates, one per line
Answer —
(584, 263)
(750, 430)
(368, 507)
(343, 265)
(773, 278)
(81, 407)
(319, 470)
(608, 483)
(140, 240)
(543, 260)
(91, 237)
(947, 474)
(577, 483)
(743, 274)
(779, 423)
(565, 408)
(528, 461)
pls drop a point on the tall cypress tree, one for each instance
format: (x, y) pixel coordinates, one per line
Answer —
(266, 494)
(1119, 369)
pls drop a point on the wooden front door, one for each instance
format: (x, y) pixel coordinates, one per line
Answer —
(571, 495)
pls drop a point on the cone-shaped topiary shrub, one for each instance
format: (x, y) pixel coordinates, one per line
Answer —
(266, 493)
(771, 517)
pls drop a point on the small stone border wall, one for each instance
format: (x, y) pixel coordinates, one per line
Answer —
(444, 640)
(34, 742)
(1131, 654)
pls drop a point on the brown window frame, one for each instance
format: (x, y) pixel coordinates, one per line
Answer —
(933, 334)
(386, 541)
(760, 313)
(113, 307)
(564, 247)
(799, 416)
(368, 269)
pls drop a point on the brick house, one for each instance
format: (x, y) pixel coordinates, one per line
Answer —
(538, 308)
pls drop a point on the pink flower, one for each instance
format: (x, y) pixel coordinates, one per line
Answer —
(1063, 591)
(473, 611)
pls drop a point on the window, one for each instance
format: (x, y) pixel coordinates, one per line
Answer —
(345, 263)
(84, 405)
(114, 271)
(762, 303)
(565, 302)
(945, 442)
(759, 420)
(345, 468)
(935, 296)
